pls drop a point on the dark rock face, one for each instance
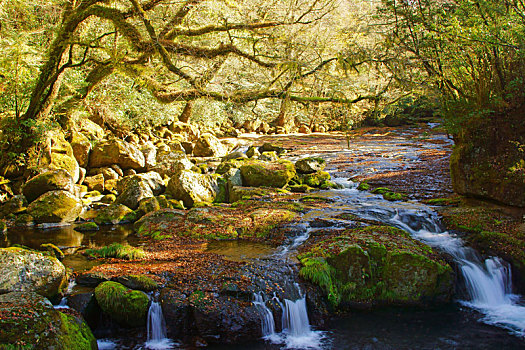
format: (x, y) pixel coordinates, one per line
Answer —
(489, 159)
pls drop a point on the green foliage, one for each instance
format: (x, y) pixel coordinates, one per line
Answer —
(471, 52)
(117, 250)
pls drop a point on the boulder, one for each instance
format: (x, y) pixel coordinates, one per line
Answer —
(24, 270)
(81, 148)
(162, 216)
(269, 174)
(209, 146)
(133, 191)
(108, 172)
(310, 165)
(191, 187)
(95, 183)
(377, 265)
(115, 214)
(15, 205)
(65, 162)
(252, 152)
(150, 154)
(269, 156)
(49, 181)
(126, 155)
(128, 307)
(268, 147)
(91, 129)
(29, 321)
(234, 155)
(55, 207)
(188, 131)
(169, 164)
(138, 282)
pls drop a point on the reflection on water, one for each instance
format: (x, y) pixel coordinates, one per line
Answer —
(69, 240)
(239, 250)
(67, 237)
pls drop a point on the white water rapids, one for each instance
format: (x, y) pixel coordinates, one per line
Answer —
(487, 282)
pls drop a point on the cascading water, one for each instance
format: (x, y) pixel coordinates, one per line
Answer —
(267, 321)
(296, 331)
(156, 327)
(488, 283)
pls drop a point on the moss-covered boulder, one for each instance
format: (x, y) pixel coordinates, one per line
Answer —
(126, 155)
(87, 227)
(209, 146)
(95, 182)
(192, 188)
(138, 282)
(268, 174)
(115, 214)
(171, 163)
(24, 270)
(310, 165)
(55, 207)
(29, 321)
(133, 191)
(128, 307)
(157, 219)
(377, 265)
(63, 161)
(317, 179)
(48, 181)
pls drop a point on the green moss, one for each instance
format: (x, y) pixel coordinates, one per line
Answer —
(270, 174)
(117, 250)
(127, 307)
(54, 250)
(376, 265)
(139, 282)
(316, 179)
(363, 186)
(443, 201)
(393, 196)
(29, 321)
(381, 190)
(87, 227)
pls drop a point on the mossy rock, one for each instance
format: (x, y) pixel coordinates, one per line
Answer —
(268, 174)
(118, 251)
(377, 265)
(363, 186)
(138, 282)
(55, 207)
(25, 270)
(87, 227)
(157, 219)
(317, 179)
(127, 307)
(115, 214)
(3, 227)
(310, 165)
(29, 321)
(238, 193)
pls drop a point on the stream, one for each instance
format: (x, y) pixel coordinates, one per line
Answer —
(488, 316)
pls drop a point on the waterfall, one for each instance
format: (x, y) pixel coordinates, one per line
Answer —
(296, 331)
(295, 317)
(487, 282)
(156, 327)
(267, 321)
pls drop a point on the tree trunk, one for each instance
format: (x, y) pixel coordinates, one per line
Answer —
(186, 113)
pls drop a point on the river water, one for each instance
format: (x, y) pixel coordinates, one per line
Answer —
(490, 316)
